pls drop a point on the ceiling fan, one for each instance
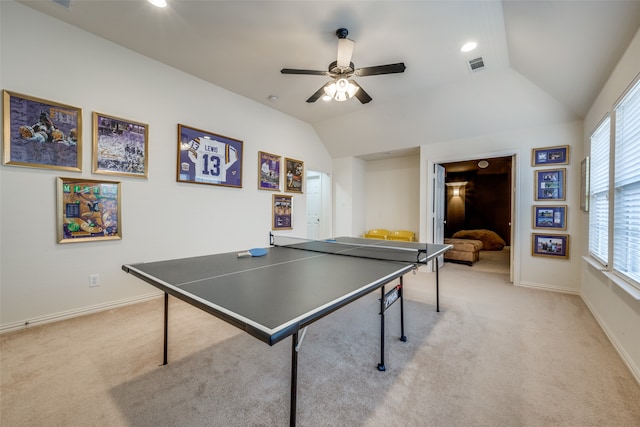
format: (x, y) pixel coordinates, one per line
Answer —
(342, 86)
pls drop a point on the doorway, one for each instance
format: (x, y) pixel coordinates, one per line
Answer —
(318, 205)
(479, 196)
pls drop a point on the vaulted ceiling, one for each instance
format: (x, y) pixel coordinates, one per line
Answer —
(545, 61)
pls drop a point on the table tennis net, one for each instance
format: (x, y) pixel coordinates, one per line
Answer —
(377, 249)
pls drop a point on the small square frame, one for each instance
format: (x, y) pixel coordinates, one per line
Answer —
(550, 184)
(88, 210)
(550, 156)
(550, 245)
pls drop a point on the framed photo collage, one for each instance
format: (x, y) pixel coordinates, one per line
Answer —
(550, 185)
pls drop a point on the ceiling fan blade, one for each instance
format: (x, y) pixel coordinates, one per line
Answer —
(362, 96)
(318, 94)
(308, 72)
(345, 51)
(381, 69)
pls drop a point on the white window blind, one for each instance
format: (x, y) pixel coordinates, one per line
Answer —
(626, 222)
(599, 192)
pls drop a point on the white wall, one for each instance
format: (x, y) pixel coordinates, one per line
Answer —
(540, 272)
(617, 312)
(41, 279)
(349, 196)
(393, 193)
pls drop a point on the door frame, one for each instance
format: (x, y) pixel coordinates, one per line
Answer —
(514, 266)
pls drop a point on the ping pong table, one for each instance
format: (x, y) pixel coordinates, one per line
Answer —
(296, 283)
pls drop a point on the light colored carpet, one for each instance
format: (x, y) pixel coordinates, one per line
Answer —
(496, 355)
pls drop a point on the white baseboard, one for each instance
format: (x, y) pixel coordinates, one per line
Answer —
(76, 313)
(548, 288)
(635, 370)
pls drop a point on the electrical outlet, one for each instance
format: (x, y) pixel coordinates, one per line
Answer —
(94, 280)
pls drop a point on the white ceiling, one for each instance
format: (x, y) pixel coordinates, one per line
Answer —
(545, 60)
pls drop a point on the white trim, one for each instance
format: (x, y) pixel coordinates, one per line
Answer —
(546, 287)
(628, 361)
(594, 263)
(623, 284)
(64, 315)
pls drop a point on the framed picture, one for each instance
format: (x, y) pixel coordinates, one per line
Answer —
(88, 210)
(120, 146)
(551, 245)
(550, 217)
(41, 134)
(550, 156)
(269, 171)
(584, 184)
(208, 158)
(282, 208)
(550, 184)
(295, 175)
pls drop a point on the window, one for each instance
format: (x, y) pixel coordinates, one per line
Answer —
(626, 206)
(599, 193)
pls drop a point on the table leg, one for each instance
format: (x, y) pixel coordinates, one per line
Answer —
(437, 285)
(381, 366)
(294, 378)
(166, 326)
(403, 337)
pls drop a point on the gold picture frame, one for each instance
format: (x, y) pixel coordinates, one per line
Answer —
(88, 210)
(39, 133)
(294, 178)
(120, 146)
(282, 210)
(269, 171)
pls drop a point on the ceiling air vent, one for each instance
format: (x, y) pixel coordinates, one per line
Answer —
(64, 3)
(476, 64)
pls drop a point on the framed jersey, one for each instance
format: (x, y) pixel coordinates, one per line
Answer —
(208, 158)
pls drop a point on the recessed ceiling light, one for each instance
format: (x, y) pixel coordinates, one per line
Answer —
(468, 47)
(158, 3)
(483, 164)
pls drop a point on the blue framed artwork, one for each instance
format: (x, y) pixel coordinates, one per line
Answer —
(550, 184)
(208, 158)
(550, 156)
(550, 245)
(550, 217)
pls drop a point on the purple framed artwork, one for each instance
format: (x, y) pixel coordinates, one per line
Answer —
(269, 171)
(41, 134)
(208, 158)
(282, 209)
(120, 146)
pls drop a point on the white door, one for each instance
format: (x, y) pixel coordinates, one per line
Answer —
(438, 207)
(314, 205)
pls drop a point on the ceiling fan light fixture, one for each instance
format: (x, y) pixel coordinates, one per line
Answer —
(341, 90)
